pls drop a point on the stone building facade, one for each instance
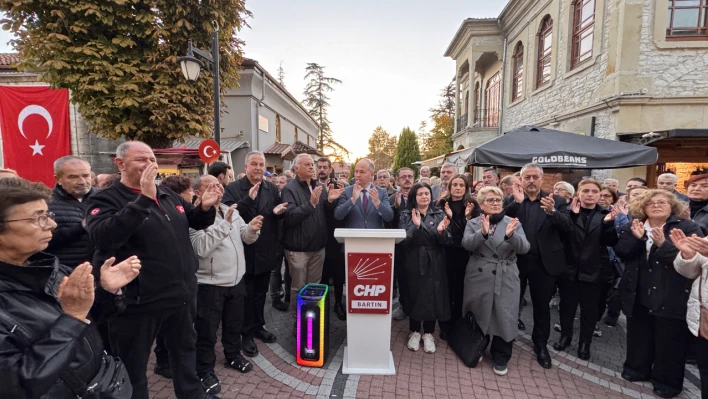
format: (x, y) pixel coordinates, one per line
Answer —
(616, 69)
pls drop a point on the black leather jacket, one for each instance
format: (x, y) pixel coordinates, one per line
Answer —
(38, 341)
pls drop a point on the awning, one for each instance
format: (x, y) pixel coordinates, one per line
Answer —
(555, 149)
(227, 144)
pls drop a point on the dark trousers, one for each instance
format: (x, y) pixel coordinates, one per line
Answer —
(612, 301)
(162, 358)
(456, 259)
(542, 286)
(656, 349)
(399, 276)
(132, 336)
(277, 279)
(585, 294)
(256, 291)
(702, 358)
(333, 269)
(501, 350)
(524, 280)
(218, 305)
(428, 326)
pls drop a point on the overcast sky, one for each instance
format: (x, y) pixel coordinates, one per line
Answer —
(389, 55)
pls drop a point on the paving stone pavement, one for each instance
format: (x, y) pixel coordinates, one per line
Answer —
(420, 375)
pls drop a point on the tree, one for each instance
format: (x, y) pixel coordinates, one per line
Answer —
(119, 59)
(317, 101)
(446, 104)
(439, 140)
(382, 148)
(281, 74)
(407, 151)
(351, 168)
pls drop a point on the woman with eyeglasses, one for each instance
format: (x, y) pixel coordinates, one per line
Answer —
(608, 197)
(654, 295)
(565, 190)
(48, 346)
(492, 285)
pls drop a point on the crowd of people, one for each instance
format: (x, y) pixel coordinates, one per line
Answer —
(101, 269)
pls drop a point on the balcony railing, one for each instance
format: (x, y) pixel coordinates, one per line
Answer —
(482, 118)
(462, 122)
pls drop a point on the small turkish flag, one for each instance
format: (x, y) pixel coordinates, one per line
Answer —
(209, 151)
(34, 123)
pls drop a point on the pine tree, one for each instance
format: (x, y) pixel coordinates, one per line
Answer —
(446, 104)
(407, 151)
(382, 148)
(351, 168)
(438, 141)
(281, 74)
(317, 101)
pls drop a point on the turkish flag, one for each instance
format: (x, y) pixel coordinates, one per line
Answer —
(34, 122)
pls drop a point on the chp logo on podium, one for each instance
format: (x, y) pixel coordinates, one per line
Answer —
(369, 282)
(209, 151)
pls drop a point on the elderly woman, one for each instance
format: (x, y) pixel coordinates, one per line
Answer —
(492, 285)
(48, 346)
(698, 199)
(424, 270)
(564, 189)
(654, 295)
(182, 185)
(608, 197)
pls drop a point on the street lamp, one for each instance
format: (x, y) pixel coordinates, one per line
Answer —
(191, 66)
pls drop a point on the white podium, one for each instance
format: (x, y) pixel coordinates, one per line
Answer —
(369, 279)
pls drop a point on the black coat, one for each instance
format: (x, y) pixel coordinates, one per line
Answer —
(123, 223)
(701, 217)
(425, 268)
(39, 342)
(305, 226)
(547, 232)
(70, 241)
(669, 291)
(588, 246)
(260, 256)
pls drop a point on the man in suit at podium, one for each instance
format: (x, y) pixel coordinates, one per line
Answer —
(364, 205)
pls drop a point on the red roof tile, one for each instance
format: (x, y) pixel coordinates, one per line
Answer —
(8, 59)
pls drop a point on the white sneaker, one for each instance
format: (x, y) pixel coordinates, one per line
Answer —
(414, 341)
(398, 313)
(428, 343)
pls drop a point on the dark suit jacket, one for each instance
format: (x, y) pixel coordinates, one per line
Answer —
(547, 232)
(354, 216)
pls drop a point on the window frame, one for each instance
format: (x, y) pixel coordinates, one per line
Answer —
(517, 75)
(545, 30)
(581, 32)
(702, 9)
(492, 102)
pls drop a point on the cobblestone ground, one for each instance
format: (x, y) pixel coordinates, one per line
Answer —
(440, 375)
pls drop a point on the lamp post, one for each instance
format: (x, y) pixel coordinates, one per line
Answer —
(191, 66)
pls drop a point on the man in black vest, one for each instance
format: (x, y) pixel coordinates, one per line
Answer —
(256, 196)
(545, 219)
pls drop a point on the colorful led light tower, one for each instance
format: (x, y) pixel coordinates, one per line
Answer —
(312, 325)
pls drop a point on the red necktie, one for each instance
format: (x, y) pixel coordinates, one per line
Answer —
(364, 200)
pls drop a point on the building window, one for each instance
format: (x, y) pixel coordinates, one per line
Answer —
(687, 20)
(583, 31)
(263, 123)
(545, 51)
(492, 101)
(517, 85)
(277, 128)
(475, 105)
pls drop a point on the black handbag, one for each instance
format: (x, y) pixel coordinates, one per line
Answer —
(111, 381)
(467, 340)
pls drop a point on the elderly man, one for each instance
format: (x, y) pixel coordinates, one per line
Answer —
(305, 226)
(363, 205)
(221, 291)
(70, 241)
(425, 172)
(101, 178)
(507, 184)
(613, 184)
(256, 196)
(446, 173)
(134, 217)
(667, 182)
(546, 219)
(383, 180)
(222, 171)
(698, 199)
(490, 177)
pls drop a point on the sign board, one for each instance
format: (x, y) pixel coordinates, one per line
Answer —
(369, 284)
(209, 151)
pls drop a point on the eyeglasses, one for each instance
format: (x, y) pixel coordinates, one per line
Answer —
(605, 195)
(410, 177)
(493, 201)
(657, 203)
(40, 220)
(559, 190)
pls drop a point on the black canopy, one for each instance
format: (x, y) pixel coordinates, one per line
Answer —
(555, 149)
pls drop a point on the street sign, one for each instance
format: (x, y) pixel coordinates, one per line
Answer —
(209, 151)
(369, 284)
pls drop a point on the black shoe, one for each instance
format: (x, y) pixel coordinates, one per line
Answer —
(584, 350)
(542, 356)
(563, 342)
(339, 310)
(239, 363)
(280, 305)
(611, 321)
(665, 393)
(249, 347)
(210, 382)
(210, 396)
(443, 335)
(286, 299)
(265, 336)
(163, 370)
(628, 377)
(522, 326)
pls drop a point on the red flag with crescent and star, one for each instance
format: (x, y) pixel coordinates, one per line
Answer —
(34, 123)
